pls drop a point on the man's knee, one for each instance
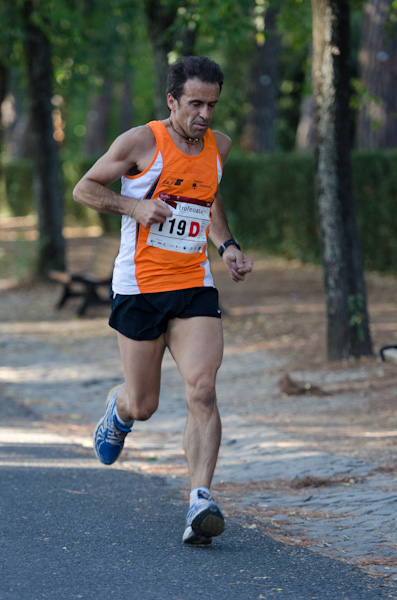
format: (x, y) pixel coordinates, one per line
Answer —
(140, 409)
(201, 393)
(143, 413)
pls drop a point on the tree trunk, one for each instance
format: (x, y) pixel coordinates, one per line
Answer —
(49, 196)
(127, 107)
(377, 121)
(160, 18)
(3, 92)
(305, 135)
(98, 122)
(160, 79)
(347, 317)
(260, 134)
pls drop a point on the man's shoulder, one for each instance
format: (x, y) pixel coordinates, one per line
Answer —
(141, 136)
(223, 143)
(136, 146)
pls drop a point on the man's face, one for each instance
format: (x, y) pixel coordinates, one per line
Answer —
(195, 108)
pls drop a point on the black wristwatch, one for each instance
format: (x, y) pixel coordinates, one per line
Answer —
(231, 242)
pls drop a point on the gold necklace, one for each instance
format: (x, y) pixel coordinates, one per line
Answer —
(188, 139)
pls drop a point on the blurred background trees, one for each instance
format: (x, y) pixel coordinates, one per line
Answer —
(110, 61)
(75, 74)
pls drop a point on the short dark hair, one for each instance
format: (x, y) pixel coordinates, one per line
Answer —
(188, 67)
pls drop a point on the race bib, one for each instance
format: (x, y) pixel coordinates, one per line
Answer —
(186, 230)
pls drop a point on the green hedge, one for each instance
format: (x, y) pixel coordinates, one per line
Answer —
(18, 182)
(73, 171)
(375, 187)
(269, 201)
(18, 185)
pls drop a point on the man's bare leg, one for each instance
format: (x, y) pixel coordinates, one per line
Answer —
(136, 399)
(197, 347)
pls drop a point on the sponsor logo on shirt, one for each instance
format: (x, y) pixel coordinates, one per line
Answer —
(172, 181)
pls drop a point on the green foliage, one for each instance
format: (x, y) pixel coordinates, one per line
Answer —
(112, 45)
(392, 18)
(215, 22)
(73, 171)
(295, 23)
(94, 41)
(18, 187)
(90, 41)
(77, 214)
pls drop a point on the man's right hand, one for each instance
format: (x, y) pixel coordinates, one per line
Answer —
(148, 212)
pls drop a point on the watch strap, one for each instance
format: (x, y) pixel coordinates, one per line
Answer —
(231, 242)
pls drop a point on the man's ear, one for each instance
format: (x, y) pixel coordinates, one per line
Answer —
(171, 102)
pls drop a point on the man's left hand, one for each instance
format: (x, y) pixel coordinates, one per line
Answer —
(237, 263)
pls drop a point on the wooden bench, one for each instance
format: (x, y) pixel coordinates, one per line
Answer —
(389, 353)
(98, 273)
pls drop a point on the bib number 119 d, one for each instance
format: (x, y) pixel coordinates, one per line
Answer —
(180, 227)
(186, 230)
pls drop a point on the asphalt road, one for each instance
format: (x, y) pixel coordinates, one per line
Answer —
(73, 531)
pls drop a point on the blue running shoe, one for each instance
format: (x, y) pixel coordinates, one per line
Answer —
(109, 434)
(204, 520)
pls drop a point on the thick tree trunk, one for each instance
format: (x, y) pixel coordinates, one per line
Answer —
(260, 134)
(377, 121)
(49, 196)
(348, 326)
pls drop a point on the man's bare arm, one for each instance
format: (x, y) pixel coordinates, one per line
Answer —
(133, 148)
(235, 261)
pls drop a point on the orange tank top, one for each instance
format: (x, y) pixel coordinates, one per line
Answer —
(173, 255)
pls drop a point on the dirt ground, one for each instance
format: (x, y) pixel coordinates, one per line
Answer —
(280, 308)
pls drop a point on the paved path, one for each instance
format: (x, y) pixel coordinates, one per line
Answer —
(62, 538)
(338, 506)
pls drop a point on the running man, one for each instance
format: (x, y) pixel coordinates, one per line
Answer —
(163, 294)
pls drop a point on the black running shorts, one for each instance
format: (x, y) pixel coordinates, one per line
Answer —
(146, 316)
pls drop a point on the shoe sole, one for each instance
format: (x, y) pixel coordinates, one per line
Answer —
(209, 523)
(192, 539)
(198, 540)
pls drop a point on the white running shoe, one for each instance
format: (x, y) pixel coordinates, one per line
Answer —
(204, 520)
